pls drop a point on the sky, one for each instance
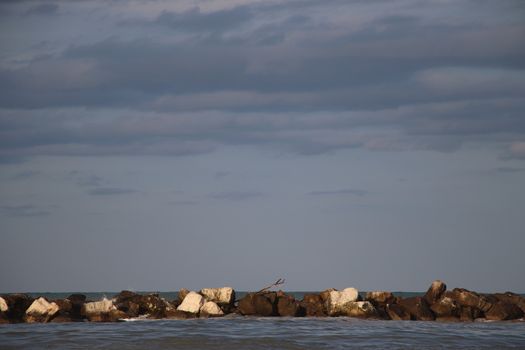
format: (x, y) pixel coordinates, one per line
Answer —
(156, 145)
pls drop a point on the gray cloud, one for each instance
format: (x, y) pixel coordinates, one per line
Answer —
(308, 77)
(110, 191)
(507, 169)
(235, 195)
(26, 210)
(26, 174)
(42, 9)
(353, 192)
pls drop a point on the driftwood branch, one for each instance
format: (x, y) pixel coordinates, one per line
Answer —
(276, 283)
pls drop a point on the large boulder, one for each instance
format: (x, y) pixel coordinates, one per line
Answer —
(135, 305)
(288, 306)
(192, 303)
(211, 309)
(313, 305)
(77, 302)
(417, 307)
(435, 291)
(220, 296)
(446, 307)
(502, 311)
(182, 294)
(380, 297)
(512, 298)
(398, 313)
(102, 311)
(261, 304)
(17, 305)
(468, 313)
(361, 309)
(336, 301)
(41, 310)
(468, 298)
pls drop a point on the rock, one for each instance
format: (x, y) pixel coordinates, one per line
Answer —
(468, 313)
(102, 311)
(435, 291)
(64, 305)
(418, 308)
(313, 305)
(77, 302)
(502, 311)
(135, 305)
(180, 315)
(445, 307)
(221, 296)
(41, 311)
(3, 305)
(192, 303)
(396, 312)
(336, 300)
(361, 309)
(17, 305)
(465, 297)
(262, 304)
(288, 306)
(211, 309)
(512, 298)
(447, 319)
(326, 294)
(182, 294)
(62, 318)
(380, 297)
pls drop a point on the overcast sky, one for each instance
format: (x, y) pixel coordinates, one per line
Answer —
(155, 145)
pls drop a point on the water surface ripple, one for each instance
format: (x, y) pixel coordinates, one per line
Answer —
(265, 333)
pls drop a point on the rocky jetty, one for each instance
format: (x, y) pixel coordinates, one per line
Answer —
(437, 304)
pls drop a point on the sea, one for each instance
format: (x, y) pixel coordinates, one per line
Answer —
(237, 332)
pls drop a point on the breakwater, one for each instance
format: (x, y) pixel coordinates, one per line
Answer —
(437, 304)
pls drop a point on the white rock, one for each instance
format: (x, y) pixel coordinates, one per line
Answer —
(221, 296)
(101, 306)
(41, 310)
(3, 305)
(211, 309)
(191, 303)
(336, 301)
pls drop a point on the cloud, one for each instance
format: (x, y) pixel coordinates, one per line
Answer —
(42, 9)
(183, 203)
(235, 195)
(517, 150)
(306, 77)
(221, 174)
(352, 192)
(26, 174)
(509, 169)
(110, 191)
(26, 210)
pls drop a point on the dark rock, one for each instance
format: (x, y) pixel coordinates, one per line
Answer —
(77, 301)
(180, 315)
(468, 313)
(380, 297)
(325, 295)
(447, 319)
(445, 307)
(246, 306)
(288, 306)
(512, 298)
(17, 306)
(466, 297)
(502, 311)
(64, 305)
(62, 318)
(313, 305)
(261, 304)
(135, 305)
(396, 312)
(435, 291)
(418, 308)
